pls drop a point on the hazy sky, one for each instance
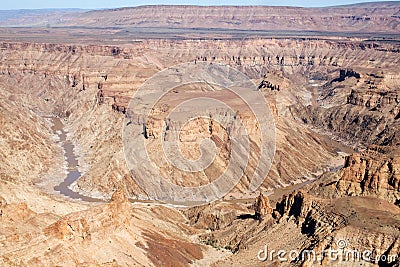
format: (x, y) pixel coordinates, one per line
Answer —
(91, 4)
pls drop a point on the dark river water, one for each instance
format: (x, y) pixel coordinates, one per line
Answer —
(73, 173)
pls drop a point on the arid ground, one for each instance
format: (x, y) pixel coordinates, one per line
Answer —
(330, 76)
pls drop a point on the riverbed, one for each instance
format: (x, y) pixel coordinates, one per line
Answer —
(73, 173)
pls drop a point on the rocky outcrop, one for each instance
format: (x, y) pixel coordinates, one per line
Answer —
(358, 111)
(374, 173)
(262, 207)
(219, 216)
(343, 74)
(114, 214)
(305, 222)
(376, 100)
(65, 229)
(376, 176)
(112, 234)
(214, 217)
(308, 213)
(3, 202)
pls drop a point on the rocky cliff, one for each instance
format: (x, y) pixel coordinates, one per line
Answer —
(359, 111)
(304, 222)
(371, 173)
(87, 84)
(334, 101)
(332, 19)
(362, 18)
(116, 234)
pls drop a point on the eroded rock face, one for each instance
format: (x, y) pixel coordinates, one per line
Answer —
(214, 216)
(3, 202)
(255, 18)
(360, 110)
(262, 207)
(65, 229)
(115, 214)
(308, 213)
(371, 176)
(374, 172)
(88, 104)
(23, 160)
(95, 95)
(347, 88)
(113, 234)
(303, 221)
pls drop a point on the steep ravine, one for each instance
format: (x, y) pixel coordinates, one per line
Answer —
(95, 83)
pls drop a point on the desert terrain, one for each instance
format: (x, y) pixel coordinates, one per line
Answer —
(73, 85)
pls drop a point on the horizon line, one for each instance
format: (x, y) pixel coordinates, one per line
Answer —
(190, 5)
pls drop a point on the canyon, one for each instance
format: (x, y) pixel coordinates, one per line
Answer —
(70, 197)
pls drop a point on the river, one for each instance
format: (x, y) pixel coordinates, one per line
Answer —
(73, 173)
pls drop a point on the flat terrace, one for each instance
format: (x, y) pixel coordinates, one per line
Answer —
(115, 35)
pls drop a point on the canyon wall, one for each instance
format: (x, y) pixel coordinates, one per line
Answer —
(90, 84)
(362, 18)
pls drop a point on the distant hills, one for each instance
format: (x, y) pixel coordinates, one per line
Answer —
(37, 17)
(382, 17)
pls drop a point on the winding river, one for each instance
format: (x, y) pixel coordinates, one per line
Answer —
(73, 173)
